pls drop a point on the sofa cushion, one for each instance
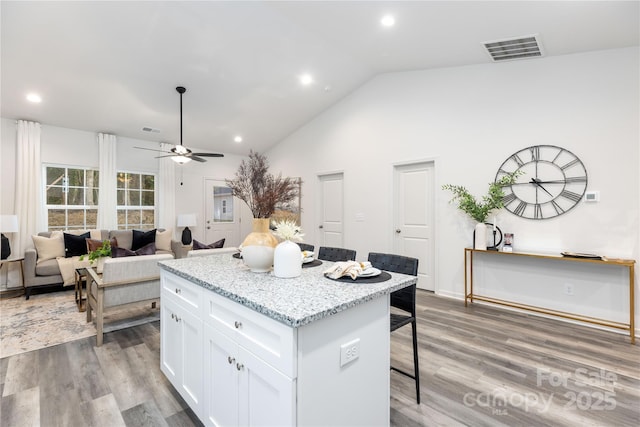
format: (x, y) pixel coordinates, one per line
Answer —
(124, 237)
(48, 267)
(142, 238)
(93, 244)
(198, 246)
(163, 240)
(49, 247)
(117, 252)
(75, 245)
(132, 268)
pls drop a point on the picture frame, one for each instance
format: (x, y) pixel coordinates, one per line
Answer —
(290, 211)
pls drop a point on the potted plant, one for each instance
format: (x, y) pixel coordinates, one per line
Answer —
(479, 210)
(261, 191)
(96, 255)
(287, 257)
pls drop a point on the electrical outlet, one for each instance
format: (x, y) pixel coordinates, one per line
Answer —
(568, 289)
(349, 351)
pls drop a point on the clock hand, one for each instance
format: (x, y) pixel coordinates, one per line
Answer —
(537, 182)
(558, 181)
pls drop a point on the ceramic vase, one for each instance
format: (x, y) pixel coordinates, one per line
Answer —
(287, 260)
(480, 236)
(258, 247)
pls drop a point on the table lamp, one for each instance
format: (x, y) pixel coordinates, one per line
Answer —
(8, 224)
(186, 221)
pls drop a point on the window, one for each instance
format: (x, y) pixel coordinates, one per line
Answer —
(222, 204)
(136, 201)
(71, 195)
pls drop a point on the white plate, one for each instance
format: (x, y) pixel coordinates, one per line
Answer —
(370, 272)
(308, 260)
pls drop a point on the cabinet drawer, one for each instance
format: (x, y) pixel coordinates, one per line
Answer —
(268, 339)
(182, 291)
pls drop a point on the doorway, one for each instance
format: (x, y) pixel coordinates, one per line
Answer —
(222, 214)
(331, 210)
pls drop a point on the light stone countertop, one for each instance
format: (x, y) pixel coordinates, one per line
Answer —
(294, 302)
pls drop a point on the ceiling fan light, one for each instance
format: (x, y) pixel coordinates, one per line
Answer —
(180, 149)
(181, 160)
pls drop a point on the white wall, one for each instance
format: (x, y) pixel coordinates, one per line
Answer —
(470, 119)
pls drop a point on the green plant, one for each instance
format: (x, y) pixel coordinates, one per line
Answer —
(479, 210)
(103, 251)
(259, 189)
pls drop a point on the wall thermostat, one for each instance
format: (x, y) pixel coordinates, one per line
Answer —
(592, 196)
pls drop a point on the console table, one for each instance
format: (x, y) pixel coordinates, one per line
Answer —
(469, 296)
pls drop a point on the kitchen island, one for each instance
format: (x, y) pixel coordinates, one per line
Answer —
(247, 348)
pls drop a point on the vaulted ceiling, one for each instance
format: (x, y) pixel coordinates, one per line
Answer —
(114, 66)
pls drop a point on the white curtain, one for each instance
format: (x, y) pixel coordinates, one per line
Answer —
(29, 199)
(107, 196)
(167, 191)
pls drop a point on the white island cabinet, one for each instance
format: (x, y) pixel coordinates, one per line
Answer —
(250, 349)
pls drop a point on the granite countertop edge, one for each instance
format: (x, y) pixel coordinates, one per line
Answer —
(282, 318)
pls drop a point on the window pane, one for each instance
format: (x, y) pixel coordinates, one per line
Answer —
(133, 217)
(133, 198)
(122, 179)
(56, 218)
(55, 196)
(92, 178)
(222, 204)
(92, 218)
(134, 181)
(122, 217)
(75, 196)
(54, 176)
(148, 217)
(148, 182)
(75, 217)
(76, 177)
(148, 198)
(92, 196)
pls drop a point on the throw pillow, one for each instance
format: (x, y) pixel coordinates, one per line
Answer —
(163, 240)
(117, 252)
(93, 244)
(197, 245)
(142, 238)
(75, 245)
(49, 247)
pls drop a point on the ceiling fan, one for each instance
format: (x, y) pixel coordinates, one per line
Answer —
(181, 154)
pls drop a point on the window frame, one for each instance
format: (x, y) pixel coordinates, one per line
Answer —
(140, 207)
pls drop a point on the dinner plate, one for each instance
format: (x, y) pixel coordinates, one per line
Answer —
(370, 272)
(308, 260)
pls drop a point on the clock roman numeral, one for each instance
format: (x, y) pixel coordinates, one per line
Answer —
(576, 179)
(508, 198)
(571, 195)
(535, 153)
(518, 160)
(519, 210)
(557, 207)
(568, 165)
(537, 211)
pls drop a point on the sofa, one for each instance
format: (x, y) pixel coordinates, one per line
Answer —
(43, 269)
(124, 281)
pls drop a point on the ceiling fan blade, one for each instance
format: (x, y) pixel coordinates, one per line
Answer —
(196, 158)
(151, 149)
(162, 157)
(208, 154)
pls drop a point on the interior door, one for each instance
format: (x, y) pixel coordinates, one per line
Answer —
(331, 210)
(222, 214)
(413, 218)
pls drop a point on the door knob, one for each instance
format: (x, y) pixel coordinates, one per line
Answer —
(321, 226)
(398, 230)
(208, 228)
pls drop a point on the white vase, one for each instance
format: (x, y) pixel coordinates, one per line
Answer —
(287, 260)
(258, 247)
(480, 236)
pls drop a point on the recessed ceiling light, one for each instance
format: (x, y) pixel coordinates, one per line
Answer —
(306, 79)
(34, 97)
(388, 21)
(237, 139)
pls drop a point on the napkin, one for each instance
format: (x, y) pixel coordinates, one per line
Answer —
(344, 268)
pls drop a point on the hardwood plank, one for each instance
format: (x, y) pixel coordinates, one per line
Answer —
(21, 409)
(61, 409)
(21, 373)
(146, 414)
(186, 418)
(102, 411)
(87, 374)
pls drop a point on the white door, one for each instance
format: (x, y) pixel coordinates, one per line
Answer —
(222, 214)
(191, 384)
(413, 218)
(221, 373)
(331, 208)
(170, 332)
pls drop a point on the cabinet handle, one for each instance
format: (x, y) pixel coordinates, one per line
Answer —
(177, 318)
(237, 324)
(231, 360)
(239, 366)
(172, 316)
(178, 291)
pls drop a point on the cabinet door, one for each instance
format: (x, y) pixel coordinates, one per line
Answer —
(170, 352)
(221, 379)
(266, 396)
(190, 346)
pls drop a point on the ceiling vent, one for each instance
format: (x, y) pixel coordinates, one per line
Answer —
(516, 48)
(152, 130)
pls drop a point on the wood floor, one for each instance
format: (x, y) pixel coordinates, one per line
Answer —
(479, 366)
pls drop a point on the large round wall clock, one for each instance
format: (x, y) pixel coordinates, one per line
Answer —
(551, 181)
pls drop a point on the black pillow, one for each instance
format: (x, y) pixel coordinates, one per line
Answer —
(197, 245)
(75, 245)
(117, 252)
(142, 238)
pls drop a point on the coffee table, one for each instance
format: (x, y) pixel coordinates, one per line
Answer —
(81, 279)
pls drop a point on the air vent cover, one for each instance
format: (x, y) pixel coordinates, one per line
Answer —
(149, 129)
(516, 48)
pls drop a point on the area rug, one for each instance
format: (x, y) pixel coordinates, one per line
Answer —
(53, 318)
